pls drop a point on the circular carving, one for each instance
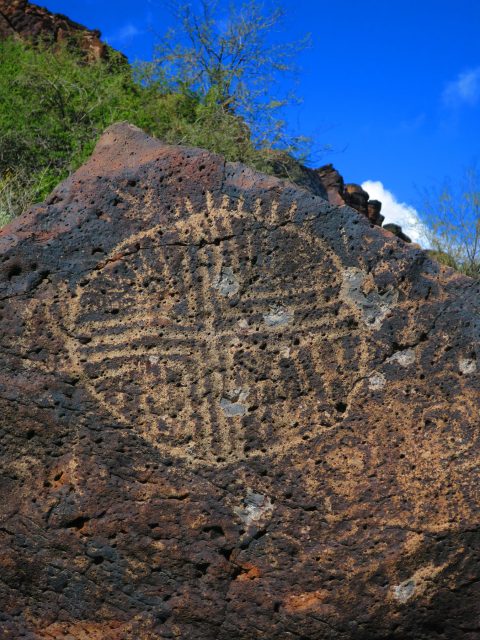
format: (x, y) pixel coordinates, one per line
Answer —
(215, 338)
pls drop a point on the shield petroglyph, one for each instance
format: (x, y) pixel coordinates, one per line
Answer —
(216, 341)
(230, 409)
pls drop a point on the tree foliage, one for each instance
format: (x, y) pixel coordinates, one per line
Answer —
(230, 57)
(452, 213)
(206, 92)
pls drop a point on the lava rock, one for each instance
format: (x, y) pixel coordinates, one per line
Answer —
(396, 229)
(22, 19)
(333, 183)
(373, 212)
(230, 409)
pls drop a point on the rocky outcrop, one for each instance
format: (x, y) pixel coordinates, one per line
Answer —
(283, 165)
(397, 230)
(353, 195)
(20, 18)
(229, 409)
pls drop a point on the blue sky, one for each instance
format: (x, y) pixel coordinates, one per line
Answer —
(393, 86)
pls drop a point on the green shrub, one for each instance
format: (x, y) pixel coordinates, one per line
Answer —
(54, 106)
(17, 192)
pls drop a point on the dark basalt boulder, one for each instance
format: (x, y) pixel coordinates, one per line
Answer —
(229, 409)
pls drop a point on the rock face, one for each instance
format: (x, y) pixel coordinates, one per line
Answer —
(353, 195)
(231, 410)
(22, 19)
(397, 230)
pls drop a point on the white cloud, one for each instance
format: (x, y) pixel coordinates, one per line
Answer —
(124, 34)
(464, 90)
(397, 212)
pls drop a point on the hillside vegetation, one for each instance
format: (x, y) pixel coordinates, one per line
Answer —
(54, 106)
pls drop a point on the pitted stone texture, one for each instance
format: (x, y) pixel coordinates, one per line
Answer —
(231, 410)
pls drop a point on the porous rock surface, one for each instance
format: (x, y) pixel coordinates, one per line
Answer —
(230, 410)
(22, 19)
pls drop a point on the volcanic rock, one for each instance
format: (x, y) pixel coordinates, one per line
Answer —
(357, 198)
(333, 184)
(397, 230)
(284, 165)
(20, 18)
(373, 212)
(230, 409)
(354, 196)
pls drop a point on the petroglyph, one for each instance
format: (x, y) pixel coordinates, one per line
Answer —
(340, 499)
(172, 333)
